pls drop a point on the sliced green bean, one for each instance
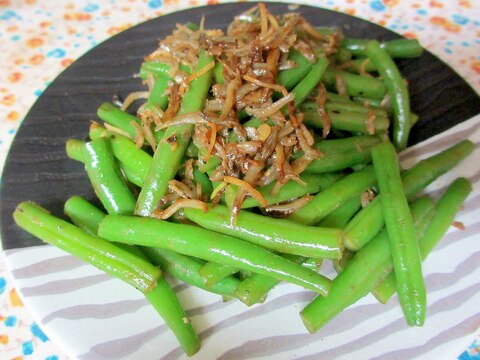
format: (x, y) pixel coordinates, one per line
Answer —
(396, 88)
(104, 175)
(102, 254)
(310, 81)
(275, 234)
(340, 154)
(291, 190)
(73, 148)
(208, 245)
(171, 148)
(291, 77)
(118, 118)
(162, 297)
(186, 268)
(369, 220)
(446, 209)
(158, 95)
(400, 49)
(357, 85)
(359, 276)
(401, 233)
(212, 272)
(334, 196)
(340, 217)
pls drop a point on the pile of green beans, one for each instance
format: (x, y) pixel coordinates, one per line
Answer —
(358, 208)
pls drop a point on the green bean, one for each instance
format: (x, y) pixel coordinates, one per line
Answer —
(204, 181)
(118, 118)
(357, 85)
(212, 272)
(171, 148)
(343, 55)
(334, 196)
(274, 234)
(401, 48)
(359, 276)
(158, 95)
(339, 217)
(291, 77)
(291, 190)
(163, 299)
(353, 122)
(310, 81)
(340, 154)
(73, 149)
(83, 214)
(208, 245)
(186, 268)
(218, 73)
(359, 65)
(159, 69)
(369, 220)
(401, 233)
(447, 207)
(349, 107)
(396, 88)
(102, 254)
(104, 174)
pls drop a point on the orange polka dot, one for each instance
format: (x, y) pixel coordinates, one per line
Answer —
(125, 9)
(12, 28)
(15, 77)
(452, 27)
(14, 298)
(116, 29)
(106, 13)
(4, 2)
(435, 4)
(465, 3)
(14, 116)
(66, 62)
(35, 42)
(70, 6)
(410, 35)
(18, 61)
(390, 2)
(3, 339)
(45, 24)
(77, 16)
(350, 11)
(36, 59)
(30, 2)
(382, 22)
(476, 66)
(8, 100)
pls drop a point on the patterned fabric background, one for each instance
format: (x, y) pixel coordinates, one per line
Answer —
(38, 39)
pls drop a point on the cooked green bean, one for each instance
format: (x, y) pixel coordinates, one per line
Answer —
(118, 118)
(401, 234)
(73, 148)
(357, 85)
(104, 175)
(401, 48)
(369, 220)
(171, 148)
(208, 245)
(102, 254)
(334, 196)
(83, 214)
(212, 272)
(446, 209)
(359, 276)
(185, 268)
(397, 90)
(314, 183)
(291, 77)
(275, 234)
(340, 217)
(310, 81)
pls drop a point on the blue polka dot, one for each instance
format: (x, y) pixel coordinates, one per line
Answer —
(154, 4)
(56, 53)
(448, 51)
(9, 14)
(465, 43)
(91, 8)
(15, 37)
(377, 5)
(36, 331)
(405, 27)
(52, 357)
(476, 23)
(449, 43)
(422, 12)
(11, 131)
(477, 41)
(37, 92)
(393, 27)
(460, 19)
(27, 348)
(3, 284)
(11, 321)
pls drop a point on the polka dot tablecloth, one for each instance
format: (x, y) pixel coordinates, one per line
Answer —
(38, 39)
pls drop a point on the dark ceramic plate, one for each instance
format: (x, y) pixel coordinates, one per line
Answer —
(37, 169)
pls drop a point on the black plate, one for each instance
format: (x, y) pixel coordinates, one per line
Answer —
(37, 168)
